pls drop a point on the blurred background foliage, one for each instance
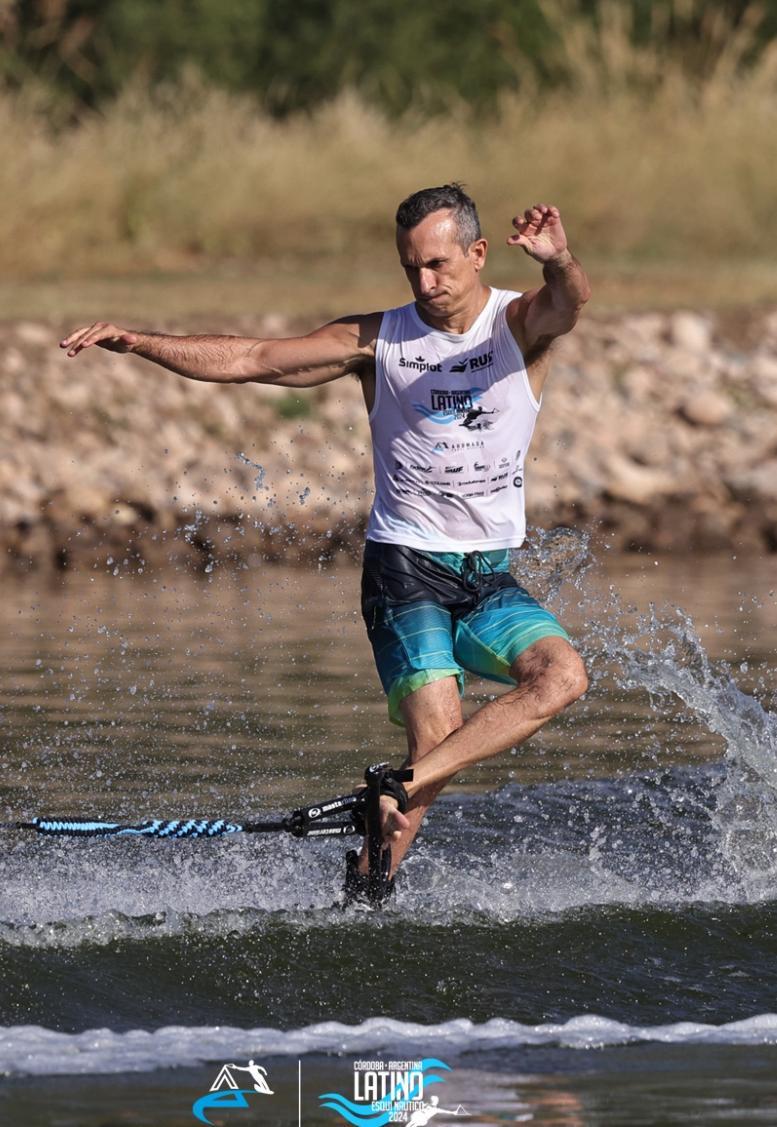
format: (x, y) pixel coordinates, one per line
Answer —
(144, 136)
(294, 56)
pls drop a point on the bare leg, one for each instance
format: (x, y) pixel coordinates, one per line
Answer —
(550, 675)
(430, 714)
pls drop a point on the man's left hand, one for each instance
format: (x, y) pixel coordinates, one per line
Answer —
(540, 232)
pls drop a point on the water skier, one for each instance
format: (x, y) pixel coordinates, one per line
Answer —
(422, 1115)
(437, 594)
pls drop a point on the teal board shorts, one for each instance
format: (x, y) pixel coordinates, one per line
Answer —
(431, 615)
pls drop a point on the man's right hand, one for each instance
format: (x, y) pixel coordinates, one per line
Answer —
(103, 334)
(392, 822)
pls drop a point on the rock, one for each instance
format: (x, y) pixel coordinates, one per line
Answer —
(31, 332)
(682, 365)
(14, 362)
(691, 331)
(110, 451)
(759, 483)
(628, 481)
(705, 408)
(764, 376)
(639, 383)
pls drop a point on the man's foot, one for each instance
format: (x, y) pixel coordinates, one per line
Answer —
(356, 889)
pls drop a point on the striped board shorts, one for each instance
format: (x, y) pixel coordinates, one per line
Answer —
(431, 615)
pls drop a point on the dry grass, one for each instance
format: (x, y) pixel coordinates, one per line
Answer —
(658, 176)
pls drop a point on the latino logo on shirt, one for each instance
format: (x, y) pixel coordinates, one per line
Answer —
(449, 405)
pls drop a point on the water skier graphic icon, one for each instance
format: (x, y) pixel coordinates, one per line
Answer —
(258, 1075)
(474, 420)
(422, 1115)
(226, 1093)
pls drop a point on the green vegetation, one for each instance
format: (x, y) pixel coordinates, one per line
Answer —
(295, 56)
(242, 141)
(293, 407)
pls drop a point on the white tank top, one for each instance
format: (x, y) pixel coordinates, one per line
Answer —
(452, 420)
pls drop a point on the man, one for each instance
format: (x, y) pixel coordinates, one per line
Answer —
(452, 383)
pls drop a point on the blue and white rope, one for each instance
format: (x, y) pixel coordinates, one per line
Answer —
(176, 828)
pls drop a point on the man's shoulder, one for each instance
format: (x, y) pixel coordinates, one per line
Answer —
(506, 301)
(399, 310)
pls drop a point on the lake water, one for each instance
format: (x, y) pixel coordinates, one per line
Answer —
(585, 934)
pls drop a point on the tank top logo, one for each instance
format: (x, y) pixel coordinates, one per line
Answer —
(474, 363)
(419, 364)
(449, 405)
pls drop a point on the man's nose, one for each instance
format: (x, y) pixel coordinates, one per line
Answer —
(426, 281)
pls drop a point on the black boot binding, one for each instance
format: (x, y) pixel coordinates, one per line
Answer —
(374, 887)
(356, 889)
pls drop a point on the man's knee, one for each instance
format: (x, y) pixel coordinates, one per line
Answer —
(553, 672)
(431, 731)
(573, 679)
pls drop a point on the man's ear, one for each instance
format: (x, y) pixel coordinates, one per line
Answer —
(477, 252)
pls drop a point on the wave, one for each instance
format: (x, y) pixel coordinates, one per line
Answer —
(525, 853)
(36, 1051)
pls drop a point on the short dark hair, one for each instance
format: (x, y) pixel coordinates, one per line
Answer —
(449, 197)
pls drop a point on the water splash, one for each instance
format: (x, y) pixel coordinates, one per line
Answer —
(663, 837)
(260, 476)
(661, 653)
(549, 558)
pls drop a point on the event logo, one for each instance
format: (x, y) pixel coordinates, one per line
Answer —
(225, 1092)
(392, 1092)
(448, 405)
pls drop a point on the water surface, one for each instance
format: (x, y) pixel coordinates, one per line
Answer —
(586, 933)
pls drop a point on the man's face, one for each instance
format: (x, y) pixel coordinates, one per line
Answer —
(441, 273)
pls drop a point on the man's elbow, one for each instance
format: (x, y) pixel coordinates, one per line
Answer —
(585, 293)
(577, 297)
(255, 364)
(568, 315)
(567, 319)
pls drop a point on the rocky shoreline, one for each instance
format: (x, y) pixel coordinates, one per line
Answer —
(658, 429)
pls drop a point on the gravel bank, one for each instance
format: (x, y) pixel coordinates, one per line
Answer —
(658, 429)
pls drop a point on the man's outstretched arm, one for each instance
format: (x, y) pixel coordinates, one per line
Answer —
(329, 352)
(540, 315)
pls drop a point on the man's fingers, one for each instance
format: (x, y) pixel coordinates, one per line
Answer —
(395, 826)
(534, 221)
(75, 337)
(84, 337)
(99, 333)
(539, 213)
(393, 822)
